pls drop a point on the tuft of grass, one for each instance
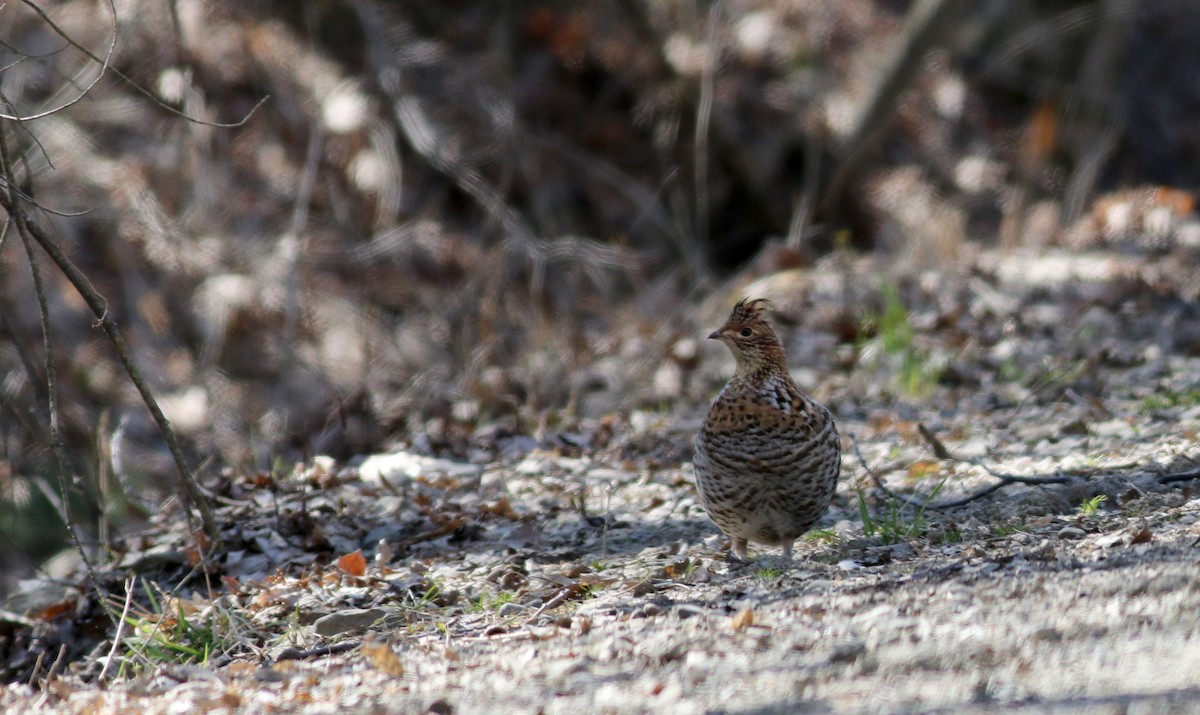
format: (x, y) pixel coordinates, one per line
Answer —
(173, 631)
(590, 591)
(1171, 398)
(433, 591)
(1003, 530)
(768, 573)
(1012, 370)
(915, 369)
(895, 521)
(822, 536)
(947, 535)
(1091, 506)
(487, 603)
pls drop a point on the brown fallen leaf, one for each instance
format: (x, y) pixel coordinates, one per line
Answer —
(500, 507)
(382, 657)
(924, 468)
(353, 563)
(1142, 536)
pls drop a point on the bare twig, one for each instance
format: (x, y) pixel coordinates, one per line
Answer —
(84, 92)
(1179, 476)
(555, 601)
(297, 654)
(296, 237)
(915, 38)
(13, 204)
(57, 666)
(57, 446)
(704, 110)
(105, 66)
(879, 483)
(37, 668)
(1004, 481)
(939, 449)
(112, 652)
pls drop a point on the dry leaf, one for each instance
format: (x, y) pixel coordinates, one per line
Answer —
(1143, 536)
(382, 658)
(744, 619)
(55, 610)
(353, 563)
(1042, 135)
(500, 507)
(924, 468)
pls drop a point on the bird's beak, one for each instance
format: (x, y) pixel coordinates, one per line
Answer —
(714, 335)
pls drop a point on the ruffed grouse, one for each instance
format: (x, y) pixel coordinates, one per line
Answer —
(768, 457)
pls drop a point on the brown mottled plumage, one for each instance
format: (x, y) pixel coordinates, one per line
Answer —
(768, 457)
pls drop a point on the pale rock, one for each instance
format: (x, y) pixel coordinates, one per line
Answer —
(409, 465)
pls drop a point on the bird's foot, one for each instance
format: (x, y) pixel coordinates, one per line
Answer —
(737, 551)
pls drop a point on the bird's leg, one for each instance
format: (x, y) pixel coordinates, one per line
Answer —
(787, 549)
(738, 549)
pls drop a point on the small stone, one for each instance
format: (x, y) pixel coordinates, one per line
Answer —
(351, 619)
(510, 609)
(973, 447)
(399, 465)
(1071, 532)
(847, 651)
(687, 610)
(1075, 427)
(649, 610)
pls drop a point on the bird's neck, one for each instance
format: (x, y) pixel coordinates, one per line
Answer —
(760, 370)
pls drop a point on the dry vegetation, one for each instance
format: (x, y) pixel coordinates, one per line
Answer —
(493, 232)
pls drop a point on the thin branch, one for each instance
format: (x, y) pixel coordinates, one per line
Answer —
(939, 449)
(298, 243)
(1004, 481)
(62, 460)
(4, 180)
(112, 46)
(1179, 476)
(112, 652)
(704, 110)
(11, 202)
(920, 32)
(37, 668)
(334, 649)
(57, 666)
(105, 66)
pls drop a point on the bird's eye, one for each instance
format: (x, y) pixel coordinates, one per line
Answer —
(747, 332)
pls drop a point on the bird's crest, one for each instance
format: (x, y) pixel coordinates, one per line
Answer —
(747, 310)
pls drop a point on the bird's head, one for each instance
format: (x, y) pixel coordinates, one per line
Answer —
(753, 343)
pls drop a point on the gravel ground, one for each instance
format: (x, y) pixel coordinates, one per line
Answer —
(1010, 602)
(575, 572)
